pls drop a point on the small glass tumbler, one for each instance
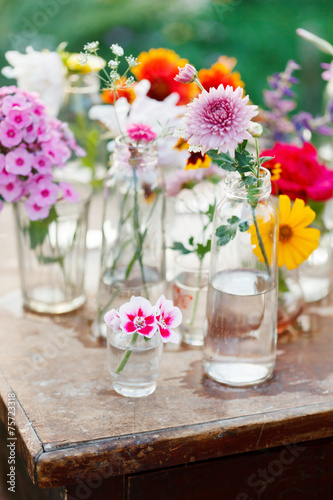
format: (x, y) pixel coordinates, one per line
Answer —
(134, 363)
(189, 292)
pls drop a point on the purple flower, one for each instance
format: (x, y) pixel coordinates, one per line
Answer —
(18, 117)
(11, 191)
(218, 119)
(19, 161)
(10, 136)
(328, 74)
(187, 74)
(16, 101)
(42, 163)
(44, 192)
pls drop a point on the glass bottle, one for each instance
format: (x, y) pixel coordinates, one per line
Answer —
(133, 249)
(241, 319)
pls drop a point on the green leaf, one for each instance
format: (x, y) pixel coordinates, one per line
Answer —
(242, 147)
(210, 212)
(38, 229)
(191, 240)
(263, 159)
(226, 233)
(203, 249)
(177, 245)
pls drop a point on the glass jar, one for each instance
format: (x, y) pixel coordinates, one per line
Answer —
(52, 255)
(81, 93)
(241, 325)
(134, 365)
(133, 249)
(189, 293)
(290, 298)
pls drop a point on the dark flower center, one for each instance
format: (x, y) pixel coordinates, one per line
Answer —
(285, 233)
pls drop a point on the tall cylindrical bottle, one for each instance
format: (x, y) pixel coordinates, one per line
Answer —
(241, 324)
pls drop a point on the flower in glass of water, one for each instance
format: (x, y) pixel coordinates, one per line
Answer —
(138, 316)
(218, 119)
(168, 317)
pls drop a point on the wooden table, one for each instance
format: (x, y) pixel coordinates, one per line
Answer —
(191, 439)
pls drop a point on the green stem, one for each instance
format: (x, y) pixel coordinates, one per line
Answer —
(127, 355)
(261, 244)
(258, 160)
(197, 81)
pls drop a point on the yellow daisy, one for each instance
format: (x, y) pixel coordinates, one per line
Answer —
(296, 241)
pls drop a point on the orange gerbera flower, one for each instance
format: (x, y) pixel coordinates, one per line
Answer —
(160, 66)
(220, 72)
(122, 91)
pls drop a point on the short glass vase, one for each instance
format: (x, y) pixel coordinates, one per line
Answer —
(52, 255)
(189, 293)
(134, 363)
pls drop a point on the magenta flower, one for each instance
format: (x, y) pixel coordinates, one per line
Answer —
(34, 211)
(168, 316)
(19, 161)
(44, 192)
(112, 320)
(69, 192)
(42, 163)
(14, 101)
(11, 191)
(19, 118)
(5, 177)
(30, 133)
(10, 136)
(137, 316)
(218, 119)
(187, 74)
(141, 132)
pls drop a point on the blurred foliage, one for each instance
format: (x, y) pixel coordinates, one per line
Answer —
(259, 33)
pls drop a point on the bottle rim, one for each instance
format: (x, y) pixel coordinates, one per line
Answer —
(235, 187)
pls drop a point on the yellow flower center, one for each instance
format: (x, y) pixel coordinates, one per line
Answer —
(285, 233)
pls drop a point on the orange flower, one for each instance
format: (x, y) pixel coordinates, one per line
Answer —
(220, 72)
(197, 160)
(160, 66)
(122, 91)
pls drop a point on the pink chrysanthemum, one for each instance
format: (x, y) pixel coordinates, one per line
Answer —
(141, 132)
(218, 119)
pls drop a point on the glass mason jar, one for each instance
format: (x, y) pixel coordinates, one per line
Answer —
(134, 366)
(290, 298)
(189, 293)
(81, 93)
(241, 325)
(133, 249)
(52, 256)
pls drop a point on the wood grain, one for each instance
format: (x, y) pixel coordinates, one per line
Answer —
(59, 375)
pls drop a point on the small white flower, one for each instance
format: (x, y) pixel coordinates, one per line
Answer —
(83, 59)
(91, 46)
(114, 75)
(255, 129)
(117, 50)
(113, 64)
(132, 61)
(195, 149)
(130, 81)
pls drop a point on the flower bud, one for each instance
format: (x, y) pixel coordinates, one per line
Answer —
(255, 129)
(187, 74)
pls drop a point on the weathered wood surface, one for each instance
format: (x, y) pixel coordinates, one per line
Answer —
(58, 373)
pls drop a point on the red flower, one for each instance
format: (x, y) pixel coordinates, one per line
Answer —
(302, 176)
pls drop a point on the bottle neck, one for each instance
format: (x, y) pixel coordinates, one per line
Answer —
(235, 187)
(141, 156)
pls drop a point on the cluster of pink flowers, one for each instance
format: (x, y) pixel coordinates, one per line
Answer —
(32, 145)
(139, 316)
(141, 132)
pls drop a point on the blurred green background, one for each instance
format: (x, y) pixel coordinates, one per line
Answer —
(259, 33)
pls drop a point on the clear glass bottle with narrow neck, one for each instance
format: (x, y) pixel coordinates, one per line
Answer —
(241, 323)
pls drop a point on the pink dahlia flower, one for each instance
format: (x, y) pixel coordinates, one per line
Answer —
(141, 132)
(187, 74)
(218, 119)
(168, 316)
(137, 316)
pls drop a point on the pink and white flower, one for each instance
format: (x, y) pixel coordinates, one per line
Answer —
(219, 119)
(44, 192)
(69, 192)
(168, 316)
(20, 118)
(19, 161)
(138, 316)
(11, 191)
(187, 74)
(112, 319)
(10, 136)
(42, 163)
(34, 211)
(16, 101)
